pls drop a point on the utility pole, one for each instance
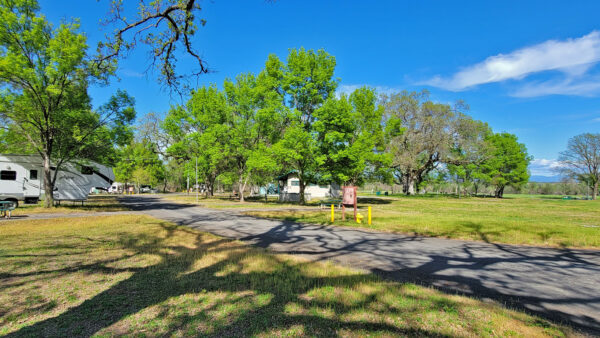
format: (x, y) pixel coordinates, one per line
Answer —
(197, 190)
(188, 185)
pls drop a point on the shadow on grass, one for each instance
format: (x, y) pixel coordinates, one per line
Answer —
(478, 229)
(373, 200)
(273, 298)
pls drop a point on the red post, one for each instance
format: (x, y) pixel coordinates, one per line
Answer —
(348, 198)
(355, 200)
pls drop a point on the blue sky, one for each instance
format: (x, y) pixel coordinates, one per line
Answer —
(526, 67)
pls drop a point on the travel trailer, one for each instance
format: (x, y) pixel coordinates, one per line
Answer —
(21, 179)
(289, 189)
(116, 188)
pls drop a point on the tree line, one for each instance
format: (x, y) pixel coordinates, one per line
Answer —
(289, 117)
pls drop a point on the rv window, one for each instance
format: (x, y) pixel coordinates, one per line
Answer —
(295, 183)
(8, 175)
(33, 174)
(87, 170)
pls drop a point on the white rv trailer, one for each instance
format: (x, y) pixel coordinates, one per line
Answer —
(21, 179)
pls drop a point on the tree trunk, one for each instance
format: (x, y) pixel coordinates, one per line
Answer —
(48, 186)
(241, 188)
(409, 185)
(302, 200)
(499, 192)
(210, 186)
(595, 190)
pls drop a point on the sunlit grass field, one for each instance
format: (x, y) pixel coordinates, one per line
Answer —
(526, 220)
(135, 275)
(225, 202)
(95, 203)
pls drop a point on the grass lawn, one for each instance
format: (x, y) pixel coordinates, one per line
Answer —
(132, 274)
(224, 202)
(95, 203)
(531, 221)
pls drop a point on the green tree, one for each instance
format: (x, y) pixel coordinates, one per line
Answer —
(140, 163)
(250, 133)
(507, 164)
(350, 137)
(45, 72)
(199, 132)
(140, 177)
(581, 160)
(305, 82)
(469, 150)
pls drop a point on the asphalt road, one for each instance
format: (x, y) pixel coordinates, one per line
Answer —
(559, 284)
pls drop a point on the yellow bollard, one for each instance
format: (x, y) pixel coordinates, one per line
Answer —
(332, 214)
(369, 216)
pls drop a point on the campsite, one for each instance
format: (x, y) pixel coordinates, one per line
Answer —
(250, 168)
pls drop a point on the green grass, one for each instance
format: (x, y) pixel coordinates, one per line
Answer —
(95, 203)
(224, 202)
(526, 220)
(135, 275)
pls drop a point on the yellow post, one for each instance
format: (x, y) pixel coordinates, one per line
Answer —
(369, 217)
(332, 213)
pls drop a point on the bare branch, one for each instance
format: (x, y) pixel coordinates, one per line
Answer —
(180, 24)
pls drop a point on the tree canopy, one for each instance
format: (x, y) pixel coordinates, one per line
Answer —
(507, 164)
(45, 71)
(581, 160)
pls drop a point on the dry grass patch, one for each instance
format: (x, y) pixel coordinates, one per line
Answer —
(135, 275)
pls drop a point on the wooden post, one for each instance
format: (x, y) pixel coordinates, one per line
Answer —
(332, 214)
(355, 199)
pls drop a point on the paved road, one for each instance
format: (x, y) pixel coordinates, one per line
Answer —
(557, 284)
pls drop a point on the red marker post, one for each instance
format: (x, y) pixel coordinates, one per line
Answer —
(348, 198)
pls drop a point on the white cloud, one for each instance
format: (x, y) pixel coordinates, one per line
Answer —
(544, 167)
(131, 73)
(573, 57)
(348, 89)
(568, 86)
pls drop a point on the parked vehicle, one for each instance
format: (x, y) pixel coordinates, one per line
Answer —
(116, 188)
(21, 179)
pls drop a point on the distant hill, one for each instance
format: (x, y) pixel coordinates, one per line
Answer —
(545, 179)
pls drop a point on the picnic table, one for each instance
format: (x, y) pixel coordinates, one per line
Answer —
(334, 201)
(6, 207)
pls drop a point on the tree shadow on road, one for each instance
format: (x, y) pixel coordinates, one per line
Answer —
(483, 270)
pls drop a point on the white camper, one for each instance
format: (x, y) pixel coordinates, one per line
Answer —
(21, 179)
(116, 188)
